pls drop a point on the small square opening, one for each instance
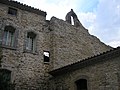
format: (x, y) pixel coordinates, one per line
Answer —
(46, 56)
(12, 11)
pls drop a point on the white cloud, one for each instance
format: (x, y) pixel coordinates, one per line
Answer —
(104, 22)
(108, 21)
(58, 8)
(87, 19)
(114, 43)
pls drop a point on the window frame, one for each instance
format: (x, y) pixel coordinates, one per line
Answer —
(46, 57)
(26, 42)
(8, 38)
(14, 46)
(12, 11)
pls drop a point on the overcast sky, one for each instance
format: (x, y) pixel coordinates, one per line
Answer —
(100, 17)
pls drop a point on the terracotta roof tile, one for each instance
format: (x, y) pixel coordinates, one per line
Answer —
(87, 61)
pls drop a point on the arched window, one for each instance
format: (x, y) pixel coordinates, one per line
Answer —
(81, 84)
(8, 37)
(31, 42)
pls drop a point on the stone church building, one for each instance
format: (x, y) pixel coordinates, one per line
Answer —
(40, 54)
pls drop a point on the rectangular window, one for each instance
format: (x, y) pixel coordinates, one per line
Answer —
(31, 42)
(5, 78)
(46, 56)
(8, 38)
(12, 11)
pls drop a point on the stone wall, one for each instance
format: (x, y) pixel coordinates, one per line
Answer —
(71, 44)
(66, 43)
(100, 76)
(28, 69)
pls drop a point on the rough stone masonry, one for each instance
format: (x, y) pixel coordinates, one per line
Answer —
(66, 44)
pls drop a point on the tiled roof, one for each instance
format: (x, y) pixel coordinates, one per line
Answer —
(23, 7)
(86, 62)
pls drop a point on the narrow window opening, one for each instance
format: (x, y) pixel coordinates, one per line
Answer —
(72, 20)
(81, 84)
(12, 11)
(46, 56)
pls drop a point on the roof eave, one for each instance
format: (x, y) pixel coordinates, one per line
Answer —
(86, 62)
(23, 7)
